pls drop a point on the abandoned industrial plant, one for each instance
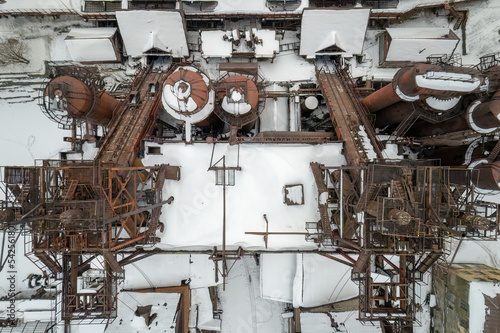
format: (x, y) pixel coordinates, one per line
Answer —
(249, 166)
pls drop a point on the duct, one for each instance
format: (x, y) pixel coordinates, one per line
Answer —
(424, 128)
(422, 81)
(484, 117)
(484, 175)
(78, 99)
(432, 109)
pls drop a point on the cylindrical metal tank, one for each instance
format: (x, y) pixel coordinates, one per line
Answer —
(238, 102)
(69, 94)
(188, 96)
(309, 104)
(275, 116)
(422, 81)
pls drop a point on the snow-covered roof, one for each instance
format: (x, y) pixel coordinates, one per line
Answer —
(219, 43)
(323, 29)
(91, 33)
(311, 289)
(194, 218)
(421, 33)
(268, 46)
(214, 45)
(140, 27)
(92, 45)
(416, 44)
(276, 278)
(479, 305)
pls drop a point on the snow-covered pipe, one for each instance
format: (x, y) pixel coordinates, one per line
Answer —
(484, 117)
(423, 81)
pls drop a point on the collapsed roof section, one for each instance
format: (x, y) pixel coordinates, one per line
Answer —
(155, 31)
(333, 31)
(93, 45)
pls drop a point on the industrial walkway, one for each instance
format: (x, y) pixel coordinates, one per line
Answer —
(134, 120)
(347, 116)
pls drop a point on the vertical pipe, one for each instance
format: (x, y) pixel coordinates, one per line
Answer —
(224, 223)
(341, 201)
(362, 217)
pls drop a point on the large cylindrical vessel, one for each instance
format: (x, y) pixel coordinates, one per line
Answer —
(80, 100)
(421, 81)
(276, 115)
(188, 96)
(238, 101)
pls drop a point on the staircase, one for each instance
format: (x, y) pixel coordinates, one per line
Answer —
(460, 15)
(405, 125)
(44, 262)
(29, 327)
(68, 191)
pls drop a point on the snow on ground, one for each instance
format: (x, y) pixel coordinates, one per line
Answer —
(481, 29)
(244, 311)
(164, 305)
(37, 52)
(276, 276)
(43, 5)
(39, 34)
(200, 300)
(478, 252)
(168, 270)
(195, 216)
(27, 134)
(322, 322)
(320, 280)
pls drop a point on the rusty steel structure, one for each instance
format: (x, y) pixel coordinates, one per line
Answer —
(397, 215)
(348, 115)
(76, 93)
(188, 96)
(423, 81)
(81, 212)
(134, 120)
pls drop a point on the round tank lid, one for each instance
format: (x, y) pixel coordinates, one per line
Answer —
(238, 95)
(185, 91)
(311, 103)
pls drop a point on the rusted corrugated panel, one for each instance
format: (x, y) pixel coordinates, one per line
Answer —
(492, 317)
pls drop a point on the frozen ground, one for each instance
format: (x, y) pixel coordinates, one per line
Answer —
(244, 311)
